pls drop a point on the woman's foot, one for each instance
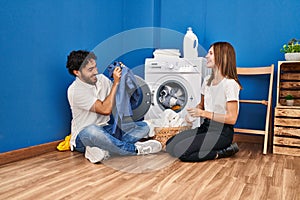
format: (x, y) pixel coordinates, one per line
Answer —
(229, 151)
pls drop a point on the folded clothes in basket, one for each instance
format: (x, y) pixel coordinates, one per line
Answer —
(163, 134)
(168, 118)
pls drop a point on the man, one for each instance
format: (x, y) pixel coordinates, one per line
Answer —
(92, 98)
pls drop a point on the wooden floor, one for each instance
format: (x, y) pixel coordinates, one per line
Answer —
(68, 175)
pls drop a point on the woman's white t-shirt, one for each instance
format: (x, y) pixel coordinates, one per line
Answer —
(216, 96)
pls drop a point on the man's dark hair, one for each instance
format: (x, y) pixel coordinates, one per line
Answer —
(77, 59)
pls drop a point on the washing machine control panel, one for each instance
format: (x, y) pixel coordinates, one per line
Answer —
(176, 65)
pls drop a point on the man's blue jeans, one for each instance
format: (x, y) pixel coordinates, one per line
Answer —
(100, 136)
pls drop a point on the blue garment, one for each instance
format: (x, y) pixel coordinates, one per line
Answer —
(101, 137)
(127, 97)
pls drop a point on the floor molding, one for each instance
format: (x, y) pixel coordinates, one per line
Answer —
(28, 152)
(21, 154)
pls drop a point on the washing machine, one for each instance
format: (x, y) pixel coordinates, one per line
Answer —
(174, 83)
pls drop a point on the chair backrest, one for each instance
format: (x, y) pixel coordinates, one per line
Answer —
(267, 70)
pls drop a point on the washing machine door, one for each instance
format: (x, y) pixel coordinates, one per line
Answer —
(173, 91)
(172, 94)
(144, 102)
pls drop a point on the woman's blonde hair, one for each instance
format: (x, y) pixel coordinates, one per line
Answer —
(225, 60)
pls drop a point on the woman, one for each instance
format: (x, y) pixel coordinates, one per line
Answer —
(219, 107)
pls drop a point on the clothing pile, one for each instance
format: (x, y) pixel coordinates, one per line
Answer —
(171, 97)
(65, 144)
(169, 118)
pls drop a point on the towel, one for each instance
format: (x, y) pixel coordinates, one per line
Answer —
(64, 145)
(168, 118)
(171, 119)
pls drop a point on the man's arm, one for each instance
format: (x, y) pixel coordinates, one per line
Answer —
(105, 107)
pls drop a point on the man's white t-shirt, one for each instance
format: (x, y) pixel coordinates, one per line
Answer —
(82, 97)
(216, 96)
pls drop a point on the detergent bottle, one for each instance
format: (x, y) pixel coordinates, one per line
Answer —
(190, 44)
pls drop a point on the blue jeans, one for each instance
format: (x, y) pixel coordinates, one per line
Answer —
(101, 136)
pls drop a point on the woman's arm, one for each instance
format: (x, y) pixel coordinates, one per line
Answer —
(231, 113)
(201, 104)
(229, 118)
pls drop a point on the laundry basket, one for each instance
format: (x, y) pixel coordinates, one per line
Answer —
(162, 134)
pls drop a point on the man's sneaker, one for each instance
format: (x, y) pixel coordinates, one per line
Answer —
(95, 154)
(147, 147)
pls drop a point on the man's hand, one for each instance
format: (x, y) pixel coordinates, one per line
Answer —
(117, 75)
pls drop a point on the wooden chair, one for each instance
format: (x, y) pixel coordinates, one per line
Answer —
(268, 70)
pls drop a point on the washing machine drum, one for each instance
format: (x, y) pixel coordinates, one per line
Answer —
(144, 102)
(172, 95)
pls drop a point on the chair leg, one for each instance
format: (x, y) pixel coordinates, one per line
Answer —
(266, 142)
(271, 134)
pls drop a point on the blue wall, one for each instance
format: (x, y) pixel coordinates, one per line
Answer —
(257, 30)
(36, 36)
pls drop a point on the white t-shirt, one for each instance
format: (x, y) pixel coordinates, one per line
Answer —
(216, 96)
(82, 97)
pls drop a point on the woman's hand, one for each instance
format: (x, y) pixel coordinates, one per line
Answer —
(189, 119)
(195, 112)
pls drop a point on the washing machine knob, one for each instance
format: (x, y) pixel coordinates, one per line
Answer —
(171, 66)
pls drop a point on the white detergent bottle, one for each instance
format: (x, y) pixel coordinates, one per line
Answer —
(190, 44)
